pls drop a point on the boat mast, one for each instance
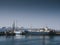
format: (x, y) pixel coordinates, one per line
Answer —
(13, 27)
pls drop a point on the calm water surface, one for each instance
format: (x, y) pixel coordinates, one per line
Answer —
(29, 40)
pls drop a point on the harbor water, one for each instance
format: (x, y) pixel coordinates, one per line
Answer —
(29, 40)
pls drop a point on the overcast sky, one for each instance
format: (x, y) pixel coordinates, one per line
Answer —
(34, 13)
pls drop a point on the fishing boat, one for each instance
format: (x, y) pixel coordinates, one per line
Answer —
(43, 31)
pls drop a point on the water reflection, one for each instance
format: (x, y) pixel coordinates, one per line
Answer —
(29, 40)
(43, 40)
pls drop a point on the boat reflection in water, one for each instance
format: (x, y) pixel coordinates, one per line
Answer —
(29, 40)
